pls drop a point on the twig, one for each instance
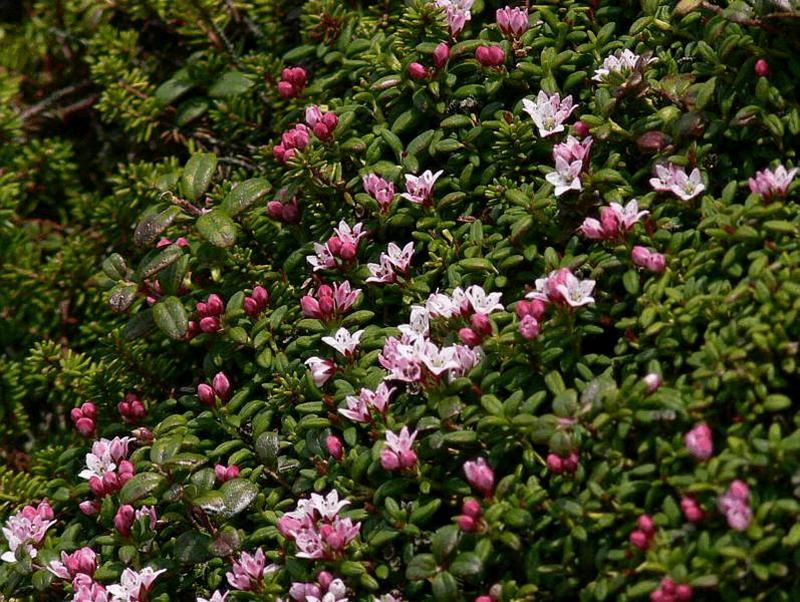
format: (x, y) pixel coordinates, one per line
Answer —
(52, 99)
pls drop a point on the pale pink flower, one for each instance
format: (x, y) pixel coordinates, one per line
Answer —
(383, 272)
(769, 184)
(349, 234)
(379, 189)
(650, 260)
(576, 292)
(672, 178)
(87, 590)
(483, 302)
(344, 342)
(549, 112)
(420, 188)
(440, 305)
(529, 327)
(566, 177)
(215, 597)
(400, 258)
(133, 585)
(105, 455)
(700, 442)
(321, 369)
(464, 358)
(512, 21)
(359, 408)
(573, 149)
(735, 505)
(322, 259)
(457, 13)
(249, 570)
(315, 527)
(26, 529)
(82, 561)
(480, 475)
(621, 63)
(398, 453)
(418, 324)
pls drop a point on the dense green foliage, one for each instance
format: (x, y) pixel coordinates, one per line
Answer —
(124, 122)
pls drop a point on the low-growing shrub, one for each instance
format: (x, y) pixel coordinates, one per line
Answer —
(399, 300)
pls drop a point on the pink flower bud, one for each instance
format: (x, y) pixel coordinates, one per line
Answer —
(324, 579)
(326, 306)
(215, 304)
(96, 486)
(260, 295)
(692, 512)
(334, 446)
(581, 129)
(469, 337)
(408, 458)
(417, 71)
(762, 68)
(251, 307)
(75, 414)
(646, 524)
(89, 508)
(555, 464)
(85, 426)
(529, 327)
(656, 263)
(640, 256)
(699, 442)
(209, 325)
(286, 89)
(220, 473)
(441, 55)
(334, 245)
(275, 209)
(571, 462)
(111, 481)
(206, 394)
(290, 213)
(322, 131)
(221, 385)
(652, 381)
(490, 56)
(125, 468)
(89, 410)
(480, 323)
(480, 475)
(484, 599)
(280, 153)
(609, 221)
(348, 251)
(471, 508)
(389, 459)
(668, 586)
(467, 523)
(123, 519)
(739, 489)
(640, 540)
(683, 592)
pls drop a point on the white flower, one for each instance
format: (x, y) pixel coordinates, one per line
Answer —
(629, 214)
(418, 324)
(131, 583)
(323, 259)
(350, 235)
(329, 505)
(576, 292)
(344, 342)
(623, 63)
(383, 272)
(419, 188)
(549, 112)
(400, 258)
(566, 177)
(482, 302)
(440, 305)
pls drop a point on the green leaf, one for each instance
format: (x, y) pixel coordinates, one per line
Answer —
(192, 547)
(445, 587)
(217, 227)
(444, 541)
(421, 566)
(173, 88)
(245, 194)
(152, 224)
(170, 316)
(465, 564)
(122, 296)
(210, 501)
(140, 485)
(238, 495)
(164, 448)
(155, 261)
(231, 83)
(197, 174)
(114, 267)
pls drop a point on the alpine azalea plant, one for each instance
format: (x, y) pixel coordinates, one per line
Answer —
(378, 302)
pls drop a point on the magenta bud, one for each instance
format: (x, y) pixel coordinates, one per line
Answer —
(441, 55)
(762, 68)
(326, 306)
(490, 56)
(334, 245)
(581, 129)
(221, 473)
(290, 213)
(469, 337)
(96, 486)
(221, 385)
(85, 426)
(348, 251)
(334, 446)
(325, 290)
(322, 131)
(202, 309)
(275, 209)
(286, 89)
(683, 592)
(529, 327)
(123, 520)
(111, 481)
(471, 508)
(232, 472)
(215, 304)
(260, 295)
(209, 325)
(646, 524)
(571, 462)
(75, 414)
(481, 324)
(251, 307)
(668, 586)
(417, 71)
(89, 410)
(89, 508)
(324, 579)
(555, 464)
(467, 523)
(206, 394)
(484, 599)
(640, 540)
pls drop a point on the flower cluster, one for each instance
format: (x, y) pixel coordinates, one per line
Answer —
(735, 505)
(328, 303)
(316, 528)
(341, 248)
(219, 389)
(256, 302)
(562, 287)
(107, 469)
(457, 13)
(25, 531)
(771, 184)
(513, 22)
(379, 189)
(322, 123)
(622, 64)
(571, 158)
(84, 418)
(398, 453)
(672, 178)
(209, 313)
(326, 588)
(393, 260)
(131, 409)
(549, 112)
(293, 140)
(614, 223)
(293, 81)
(367, 404)
(249, 570)
(127, 515)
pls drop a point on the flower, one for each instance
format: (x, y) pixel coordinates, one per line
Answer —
(133, 585)
(82, 561)
(573, 149)
(735, 505)
(575, 292)
(549, 112)
(673, 178)
(457, 13)
(699, 441)
(329, 302)
(26, 529)
(316, 528)
(691, 510)
(482, 302)
(644, 258)
(248, 570)
(529, 327)
(512, 21)
(86, 590)
(441, 54)
(226, 473)
(322, 259)
(417, 71)
(379, 189)
(126, 516)
(398, 454)
(344, 342)
(566, 177)
(105, 455)
(419, 188)
(621, 63)
(480, 475)
(293, 80)
(490, 56)
(359, 408)
(770, 184)
(615, 221)
(215, 597)
(321, 369)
